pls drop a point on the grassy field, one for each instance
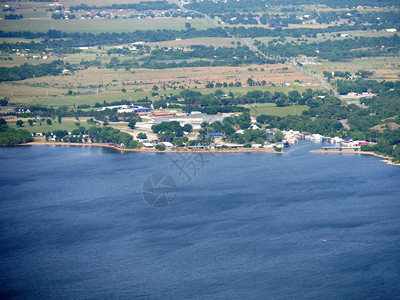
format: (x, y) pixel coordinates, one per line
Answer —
(18, 40)
(66, 124)
(384, 68)
(273, 110)
(62, 99)
(93, 85)
(71, 58)
(38, 96)
(100, 25)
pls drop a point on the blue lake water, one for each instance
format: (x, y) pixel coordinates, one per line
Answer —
(73, 224)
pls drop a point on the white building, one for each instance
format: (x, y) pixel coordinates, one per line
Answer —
(254, 127)
(168, 145)
(148, 145)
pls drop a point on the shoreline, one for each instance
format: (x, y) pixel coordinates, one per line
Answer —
(386, 159)
(227, 151)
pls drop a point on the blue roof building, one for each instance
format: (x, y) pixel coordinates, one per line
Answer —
(215, 133)
(143, 109)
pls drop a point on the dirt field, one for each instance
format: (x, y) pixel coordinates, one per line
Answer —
(187, 77)
(91, 86)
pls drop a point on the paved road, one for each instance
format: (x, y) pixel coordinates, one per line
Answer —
(318, 78)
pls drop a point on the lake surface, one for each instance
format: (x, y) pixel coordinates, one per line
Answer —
(73, 224)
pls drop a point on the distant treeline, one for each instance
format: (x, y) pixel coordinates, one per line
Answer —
(29, 71)
(13, 17)
(210, 7)
(254, 32)
(337, 50)
(56, 38)
(163, 59)
(158, 59)
(141, 6)
(361, 86)
(62, 42)
(12, 137)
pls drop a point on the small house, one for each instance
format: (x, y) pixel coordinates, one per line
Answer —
(168, 145)
(148, 145)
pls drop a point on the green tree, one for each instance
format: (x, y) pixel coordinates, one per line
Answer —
(188, 128)
(132, 123)
(278, 136)
(142, 136)
(178, 141)
(160, 147)
(49, 121)
(4, 101)
(20, 123)
(294, 96)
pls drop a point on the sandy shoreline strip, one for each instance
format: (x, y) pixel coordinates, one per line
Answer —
(385, 159)
(227, 151)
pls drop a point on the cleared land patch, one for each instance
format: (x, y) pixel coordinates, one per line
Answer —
(271, 109)
(210, 41)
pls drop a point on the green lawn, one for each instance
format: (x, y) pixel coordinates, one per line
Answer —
(273, 110)
(66, 124)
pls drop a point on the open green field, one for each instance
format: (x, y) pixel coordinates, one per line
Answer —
(100, 25)
(71, 58)
(18, 40)
(66, 124)
(273, 110)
